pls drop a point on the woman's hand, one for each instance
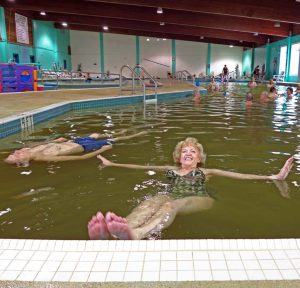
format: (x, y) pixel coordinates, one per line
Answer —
(285, 170)
(105, 162)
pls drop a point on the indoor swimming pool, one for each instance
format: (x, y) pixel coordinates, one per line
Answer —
(56, 200)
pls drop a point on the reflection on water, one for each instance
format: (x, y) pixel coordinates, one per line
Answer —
(56, 200)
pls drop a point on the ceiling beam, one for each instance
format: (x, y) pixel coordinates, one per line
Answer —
(150, 15)
(156, 35)
(150, 26)
(273, 10)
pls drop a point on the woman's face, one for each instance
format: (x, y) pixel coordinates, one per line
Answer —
(190, 156)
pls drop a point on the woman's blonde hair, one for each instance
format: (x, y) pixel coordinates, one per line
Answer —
(189, 141)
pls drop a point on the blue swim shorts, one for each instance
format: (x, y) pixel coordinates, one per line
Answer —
(91, 144)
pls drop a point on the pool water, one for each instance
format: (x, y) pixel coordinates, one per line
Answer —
(56, 200)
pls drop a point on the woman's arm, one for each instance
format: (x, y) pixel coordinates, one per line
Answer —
(71, 157)
(106, 162)
(283, 173)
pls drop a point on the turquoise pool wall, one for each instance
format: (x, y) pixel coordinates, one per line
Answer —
(247, 59)
(3, 37)
(62, 49)
(12, 125)
(272, 58)
(7, 49)
(51, 45)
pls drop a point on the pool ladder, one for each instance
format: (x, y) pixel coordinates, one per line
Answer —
(135, 73)
(184, 75)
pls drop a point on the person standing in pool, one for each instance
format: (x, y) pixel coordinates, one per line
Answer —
(62, 149)
(188, 194)
(225, 73)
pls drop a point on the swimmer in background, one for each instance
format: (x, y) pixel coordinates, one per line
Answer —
(271, 83)
(196, 91)
(298, 90)
(289, 93)
(249, 99)
(62, 149)
(273, 93)
(252, 83)
(213, 86)
(264, 97)
(196, 96)
(187, 195)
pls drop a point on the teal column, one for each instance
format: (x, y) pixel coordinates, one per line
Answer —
(137, 53)
(268, 61)
(3, 38)
(252, 60)
(102, 53)
(173, 57)
(208, 59)
(288, 58)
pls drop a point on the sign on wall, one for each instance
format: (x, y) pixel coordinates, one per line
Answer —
(22, 29)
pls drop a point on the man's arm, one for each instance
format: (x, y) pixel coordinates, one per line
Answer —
(71, 157)
(129, 137)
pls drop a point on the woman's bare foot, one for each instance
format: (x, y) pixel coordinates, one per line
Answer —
(118, 227)
(97, 228)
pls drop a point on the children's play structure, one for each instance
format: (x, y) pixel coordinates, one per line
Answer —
(17, 78)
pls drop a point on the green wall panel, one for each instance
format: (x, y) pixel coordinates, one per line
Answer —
(247, 60)
(3, 38)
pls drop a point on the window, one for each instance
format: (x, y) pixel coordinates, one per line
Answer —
(16, 58)
(282, 61)
(294, 67)
(32, 59)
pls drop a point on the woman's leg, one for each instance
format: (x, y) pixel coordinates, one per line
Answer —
(167, 212)
(151, 215)
(145, 210)
(112, 226)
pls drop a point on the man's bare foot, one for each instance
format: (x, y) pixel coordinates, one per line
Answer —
(97, 228)
(118, 227)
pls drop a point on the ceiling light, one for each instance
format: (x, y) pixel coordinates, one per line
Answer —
(297, 0)
(164, 39)
(277, 24)
(241, 41)
(255, 34)
(230, 46)
(148, 39)
(201, 37)
(43, 13)
(162, 23)
(159, 10)
(64, 24)
(105, 28)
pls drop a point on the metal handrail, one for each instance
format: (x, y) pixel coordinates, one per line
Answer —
(149, 76)
(182, 74)
(50, 73)
(133, 77)
(137, 76)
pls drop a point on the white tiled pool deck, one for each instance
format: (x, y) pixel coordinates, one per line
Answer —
(149, 260)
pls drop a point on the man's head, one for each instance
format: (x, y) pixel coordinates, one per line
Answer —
(20, 157)
(289, 91)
